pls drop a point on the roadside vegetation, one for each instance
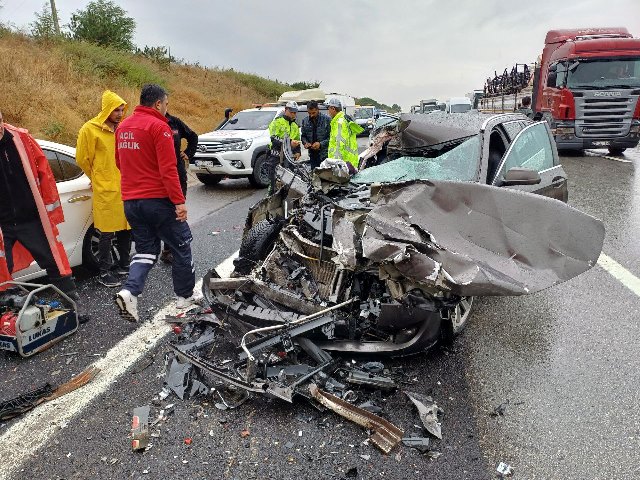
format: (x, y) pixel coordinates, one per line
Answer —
(53, 76)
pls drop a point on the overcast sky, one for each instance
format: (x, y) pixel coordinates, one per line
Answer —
(393, 51)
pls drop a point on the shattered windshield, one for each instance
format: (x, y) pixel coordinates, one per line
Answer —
(457, 164)
(254, 120)
(599, 74)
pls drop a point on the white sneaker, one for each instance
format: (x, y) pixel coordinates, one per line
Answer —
(183, 303)
(128, 305)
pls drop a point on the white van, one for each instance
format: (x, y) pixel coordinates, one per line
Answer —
(458, 105)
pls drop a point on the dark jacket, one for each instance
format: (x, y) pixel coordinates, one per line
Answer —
(317, 131)
(146, 157)
(16, 199)
(180, 130)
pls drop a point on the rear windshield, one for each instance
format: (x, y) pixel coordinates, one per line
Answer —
(254, 120)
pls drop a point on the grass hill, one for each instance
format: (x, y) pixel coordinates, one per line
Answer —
(53, 88)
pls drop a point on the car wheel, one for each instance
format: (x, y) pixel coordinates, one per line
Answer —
(260, 176)
(90, 248)
(209, 179)
(257, 244)
(458, 318)
(616, 151)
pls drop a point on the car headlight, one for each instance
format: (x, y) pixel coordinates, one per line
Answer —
(243, 145)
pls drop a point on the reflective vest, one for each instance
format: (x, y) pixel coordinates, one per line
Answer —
(279, 127)
(343, 144)
(45, 193)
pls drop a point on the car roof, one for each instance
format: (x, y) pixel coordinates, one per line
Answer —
(58, 147)
(419, 130)
(262, 109)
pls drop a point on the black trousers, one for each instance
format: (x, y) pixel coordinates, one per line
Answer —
(123, 244)
(31, 235)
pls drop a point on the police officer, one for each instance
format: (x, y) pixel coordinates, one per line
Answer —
(283, 124)
(343, 144)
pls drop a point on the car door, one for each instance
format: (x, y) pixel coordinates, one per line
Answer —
(533, 148)
(75, 197)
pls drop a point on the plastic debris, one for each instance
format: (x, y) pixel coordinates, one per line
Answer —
(422, 444)
(188, 441)
(504, 469)
(245, 433)
(140, 428)
(500, 409)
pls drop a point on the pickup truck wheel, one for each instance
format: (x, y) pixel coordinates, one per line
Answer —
(256, 245)
(209, 179)
(616, 151)
(260, 176)
(457, 320)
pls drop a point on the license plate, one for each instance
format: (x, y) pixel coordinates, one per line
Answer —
(204, 163)
(601, 143)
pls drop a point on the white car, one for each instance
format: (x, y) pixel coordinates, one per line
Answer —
(76, 232)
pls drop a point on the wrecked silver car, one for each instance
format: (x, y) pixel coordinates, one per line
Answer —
(389, 260)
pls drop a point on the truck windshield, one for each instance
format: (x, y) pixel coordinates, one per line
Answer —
(460, 108)
(363, 113)
(459, 163)
(252, 120)
(600, 74)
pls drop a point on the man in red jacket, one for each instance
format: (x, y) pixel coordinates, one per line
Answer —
(30, 212)
(153, 200)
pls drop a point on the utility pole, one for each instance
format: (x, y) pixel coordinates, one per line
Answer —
(54, 17)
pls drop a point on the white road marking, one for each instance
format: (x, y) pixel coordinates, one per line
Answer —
(23, 439)
(616, 159)
(620, 273)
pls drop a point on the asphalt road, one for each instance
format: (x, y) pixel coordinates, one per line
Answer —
(565, 359)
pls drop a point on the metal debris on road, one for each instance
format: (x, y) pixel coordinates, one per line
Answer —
(385, 434)
(428, 411)
(422, 444)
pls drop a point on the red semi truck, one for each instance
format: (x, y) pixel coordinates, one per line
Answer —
(587, 85)
(587, 88)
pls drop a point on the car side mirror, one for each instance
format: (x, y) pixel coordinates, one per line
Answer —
(521, 176)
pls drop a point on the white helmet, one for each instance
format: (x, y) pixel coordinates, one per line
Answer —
(292, 106)
(334, 102)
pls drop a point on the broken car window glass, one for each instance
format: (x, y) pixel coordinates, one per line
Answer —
(460, 164)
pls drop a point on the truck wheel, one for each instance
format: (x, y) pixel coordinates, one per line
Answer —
(616, 150)
(209, 179)
(257, 244)
(260, 176)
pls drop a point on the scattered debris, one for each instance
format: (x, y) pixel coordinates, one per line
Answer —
(428, 411)
(385, 435)
(187, 441)
(504, 469)
(28, 401)
(422, 444)
(500, 409)
(140, 428)
(245, 433)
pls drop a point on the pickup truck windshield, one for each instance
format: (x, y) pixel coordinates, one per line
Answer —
(601, 74)
(253, 120)
(460, 164)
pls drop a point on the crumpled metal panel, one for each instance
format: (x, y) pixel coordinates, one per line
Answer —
(474, 239)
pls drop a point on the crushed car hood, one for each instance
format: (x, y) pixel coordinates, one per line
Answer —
(473, 239)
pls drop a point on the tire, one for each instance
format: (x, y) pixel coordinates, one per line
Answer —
(257, 244)
(616, 150)
(458, 319)
(209, 179)
(90, 242)
(259, 178)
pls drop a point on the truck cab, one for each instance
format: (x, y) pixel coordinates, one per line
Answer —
(588, 88)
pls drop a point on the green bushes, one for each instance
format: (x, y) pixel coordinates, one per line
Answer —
(107, 63)
(269, 88)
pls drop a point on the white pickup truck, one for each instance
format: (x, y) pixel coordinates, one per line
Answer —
(237, 149)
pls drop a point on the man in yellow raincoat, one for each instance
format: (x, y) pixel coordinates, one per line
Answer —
(96, 155)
